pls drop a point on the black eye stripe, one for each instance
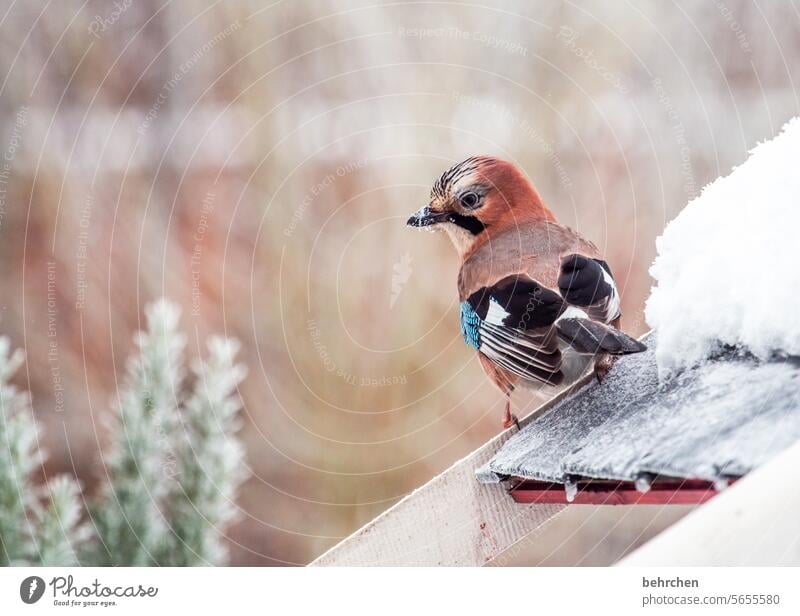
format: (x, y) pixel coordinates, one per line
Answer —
(470, 223)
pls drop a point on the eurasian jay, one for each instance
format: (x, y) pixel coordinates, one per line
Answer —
(538, 304)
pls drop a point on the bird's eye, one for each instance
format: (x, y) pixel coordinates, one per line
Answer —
(469, 200)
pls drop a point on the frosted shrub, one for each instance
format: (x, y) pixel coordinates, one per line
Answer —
(59, 529)
(30, 532)
(129, 519)
(172, 470)
(209, 463)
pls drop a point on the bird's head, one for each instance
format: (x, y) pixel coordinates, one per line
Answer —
(477, 197)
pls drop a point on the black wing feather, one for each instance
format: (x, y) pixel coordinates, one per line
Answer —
(588, 284)
(516, 327)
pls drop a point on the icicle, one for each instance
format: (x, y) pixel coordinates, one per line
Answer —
(643, 483)
(570, 489)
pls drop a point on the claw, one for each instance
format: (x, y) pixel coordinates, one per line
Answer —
(602, 367)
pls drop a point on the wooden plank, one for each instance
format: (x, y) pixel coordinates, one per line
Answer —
(451, 520)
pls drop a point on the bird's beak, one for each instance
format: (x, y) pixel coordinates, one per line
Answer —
(425, 217)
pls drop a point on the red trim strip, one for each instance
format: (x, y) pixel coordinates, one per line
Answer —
(601, 492)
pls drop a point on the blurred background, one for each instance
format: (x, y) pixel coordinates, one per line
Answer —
(256, 163)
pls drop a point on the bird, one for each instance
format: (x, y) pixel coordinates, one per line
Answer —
(538, 304)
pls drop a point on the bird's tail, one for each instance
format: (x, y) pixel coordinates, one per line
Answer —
(587, 336)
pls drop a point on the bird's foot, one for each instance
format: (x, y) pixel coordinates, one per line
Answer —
(509, 419)
(602, 366)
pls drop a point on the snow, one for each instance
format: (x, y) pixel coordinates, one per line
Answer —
(727, 270)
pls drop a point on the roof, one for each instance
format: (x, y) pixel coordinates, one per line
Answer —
(715, 421)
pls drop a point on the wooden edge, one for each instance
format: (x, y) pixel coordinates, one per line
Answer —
(452, 519)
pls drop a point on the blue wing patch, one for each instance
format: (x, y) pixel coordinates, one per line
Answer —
(470, 326)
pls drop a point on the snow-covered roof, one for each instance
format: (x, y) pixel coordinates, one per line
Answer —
(727, 350)
(716, 420)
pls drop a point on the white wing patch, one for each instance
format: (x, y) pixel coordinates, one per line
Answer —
(613, 307)
(496, 313)
(573, 312)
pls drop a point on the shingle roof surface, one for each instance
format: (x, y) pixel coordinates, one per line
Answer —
(717, 420)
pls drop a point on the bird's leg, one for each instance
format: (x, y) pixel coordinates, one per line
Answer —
(509, 419)
(602, 365)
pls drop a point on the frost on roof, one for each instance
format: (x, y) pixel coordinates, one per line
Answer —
(720, 418)
(727, 268)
